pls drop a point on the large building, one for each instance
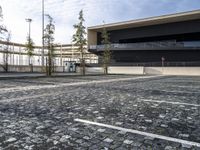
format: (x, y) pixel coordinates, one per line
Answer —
(173, 39)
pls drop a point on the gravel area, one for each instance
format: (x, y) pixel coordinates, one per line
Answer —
(40, 113)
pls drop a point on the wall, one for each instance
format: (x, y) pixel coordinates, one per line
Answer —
(92, 38)
(27, 69)
(126, 70)
(194, 71)
(155, 30)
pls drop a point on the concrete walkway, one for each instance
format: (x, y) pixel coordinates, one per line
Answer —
(36, 75)
(31, 75)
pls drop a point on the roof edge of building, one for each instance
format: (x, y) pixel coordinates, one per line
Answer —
(181, 16)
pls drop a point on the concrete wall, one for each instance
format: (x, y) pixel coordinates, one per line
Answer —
(94, 70)
(92, 38)
(126, 70)
(194, 71)
(90, 70)
(27, 69)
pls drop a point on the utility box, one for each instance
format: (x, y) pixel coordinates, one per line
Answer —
(69, 66)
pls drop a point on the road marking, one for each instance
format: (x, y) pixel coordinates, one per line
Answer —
(140, 132)
(174, 103)
(77, 83)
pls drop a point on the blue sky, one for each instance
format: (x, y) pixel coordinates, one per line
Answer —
(65, 14)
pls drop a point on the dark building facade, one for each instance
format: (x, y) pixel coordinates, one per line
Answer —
(174, 39)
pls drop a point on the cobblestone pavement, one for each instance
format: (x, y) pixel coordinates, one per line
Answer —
(40, 113)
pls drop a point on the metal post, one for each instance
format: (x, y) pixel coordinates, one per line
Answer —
(42, 33)
(72, 52)
(29, 34)
(163, 60)
(29, 21)
(19, 55)
(13, 55)
(61, 55)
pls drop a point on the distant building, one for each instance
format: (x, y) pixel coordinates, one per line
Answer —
(173, 39)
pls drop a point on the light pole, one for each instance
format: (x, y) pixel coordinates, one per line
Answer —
(163, 63)
(29, 21)
(29, 35)
(42, 33)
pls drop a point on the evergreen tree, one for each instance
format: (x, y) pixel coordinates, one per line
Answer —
(30, 48)
(79, 39)
(1, 18)
(5, 36)
(107, 53)
(6, 53)
(3, 29)
(48, 40)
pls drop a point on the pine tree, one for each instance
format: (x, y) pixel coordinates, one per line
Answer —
(79, 39)
(4, 35)
(1, 18)
(107, 53)
(6, 53)
(30, 49)
(49, 39)
(3, 29)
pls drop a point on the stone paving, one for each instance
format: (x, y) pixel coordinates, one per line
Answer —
(43, 118)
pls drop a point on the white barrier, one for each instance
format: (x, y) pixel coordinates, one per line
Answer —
(94, 70)
(28, 69)
(126, 70)
(193, 71)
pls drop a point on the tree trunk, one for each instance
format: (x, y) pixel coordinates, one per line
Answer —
(82, 62)
(50, 67)
(30, 64)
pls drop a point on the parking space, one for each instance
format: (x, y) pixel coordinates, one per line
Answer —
(101, 112)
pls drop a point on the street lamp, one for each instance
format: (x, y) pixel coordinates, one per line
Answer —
(29, 21)
(29, 34)
(43, 33)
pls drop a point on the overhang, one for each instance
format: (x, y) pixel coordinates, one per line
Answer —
(178, 17)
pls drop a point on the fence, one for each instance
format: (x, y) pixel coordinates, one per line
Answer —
(17, 55)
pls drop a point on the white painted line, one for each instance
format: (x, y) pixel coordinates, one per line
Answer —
(140, 133)
(78, 83)
(167, 102)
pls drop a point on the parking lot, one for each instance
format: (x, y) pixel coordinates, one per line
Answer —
(100, 112)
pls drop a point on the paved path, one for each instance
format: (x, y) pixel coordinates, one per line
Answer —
(100, 112)
(25, 75)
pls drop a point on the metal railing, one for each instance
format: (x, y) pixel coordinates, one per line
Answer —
(148, 45)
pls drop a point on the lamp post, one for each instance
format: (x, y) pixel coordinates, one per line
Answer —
(29, 35)
(29, 21)
(163, 63)
(42, 33)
